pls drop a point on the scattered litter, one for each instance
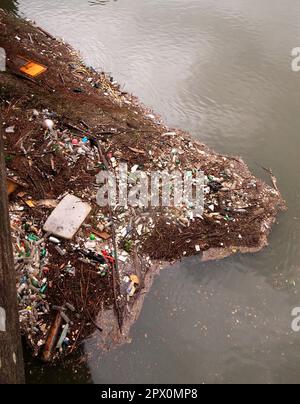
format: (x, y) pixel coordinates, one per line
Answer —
(63, 336)
(54, 240)
(10, 129)
(48, 124)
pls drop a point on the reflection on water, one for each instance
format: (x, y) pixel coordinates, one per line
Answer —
(221, 70)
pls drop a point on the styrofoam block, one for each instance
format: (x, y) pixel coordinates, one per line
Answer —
(67, 217)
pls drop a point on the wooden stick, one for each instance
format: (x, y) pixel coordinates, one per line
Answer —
(46, 33)
(115, 267)
(52, 338)
(11, 355)
(273, 178)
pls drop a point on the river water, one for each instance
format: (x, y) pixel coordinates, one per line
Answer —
(222, 70)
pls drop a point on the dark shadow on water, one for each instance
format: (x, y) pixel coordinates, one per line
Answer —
(9, 5)
(70, 371)
(99, 2)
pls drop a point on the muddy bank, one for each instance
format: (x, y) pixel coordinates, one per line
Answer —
(61, 129)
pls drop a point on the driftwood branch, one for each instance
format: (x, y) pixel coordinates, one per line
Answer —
(115, 267)
(273, 178)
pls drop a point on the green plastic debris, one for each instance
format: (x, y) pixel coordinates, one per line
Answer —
(8, 159)
(128, 246)
(35, 283)
(33, 237)
(26, 226)
(228, 219)
(43, 288)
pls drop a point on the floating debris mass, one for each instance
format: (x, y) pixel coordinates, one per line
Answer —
(77, 262)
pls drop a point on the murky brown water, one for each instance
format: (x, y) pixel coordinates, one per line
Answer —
(223, 71)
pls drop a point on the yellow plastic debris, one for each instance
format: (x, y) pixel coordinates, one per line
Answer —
(135, 279)
(30, 203)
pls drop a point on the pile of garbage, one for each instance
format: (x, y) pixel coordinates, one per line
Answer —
(75, 259)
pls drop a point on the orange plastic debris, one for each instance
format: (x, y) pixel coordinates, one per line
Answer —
(33, 69)
(11, 186)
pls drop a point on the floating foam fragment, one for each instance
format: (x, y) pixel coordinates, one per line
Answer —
(67, 217)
